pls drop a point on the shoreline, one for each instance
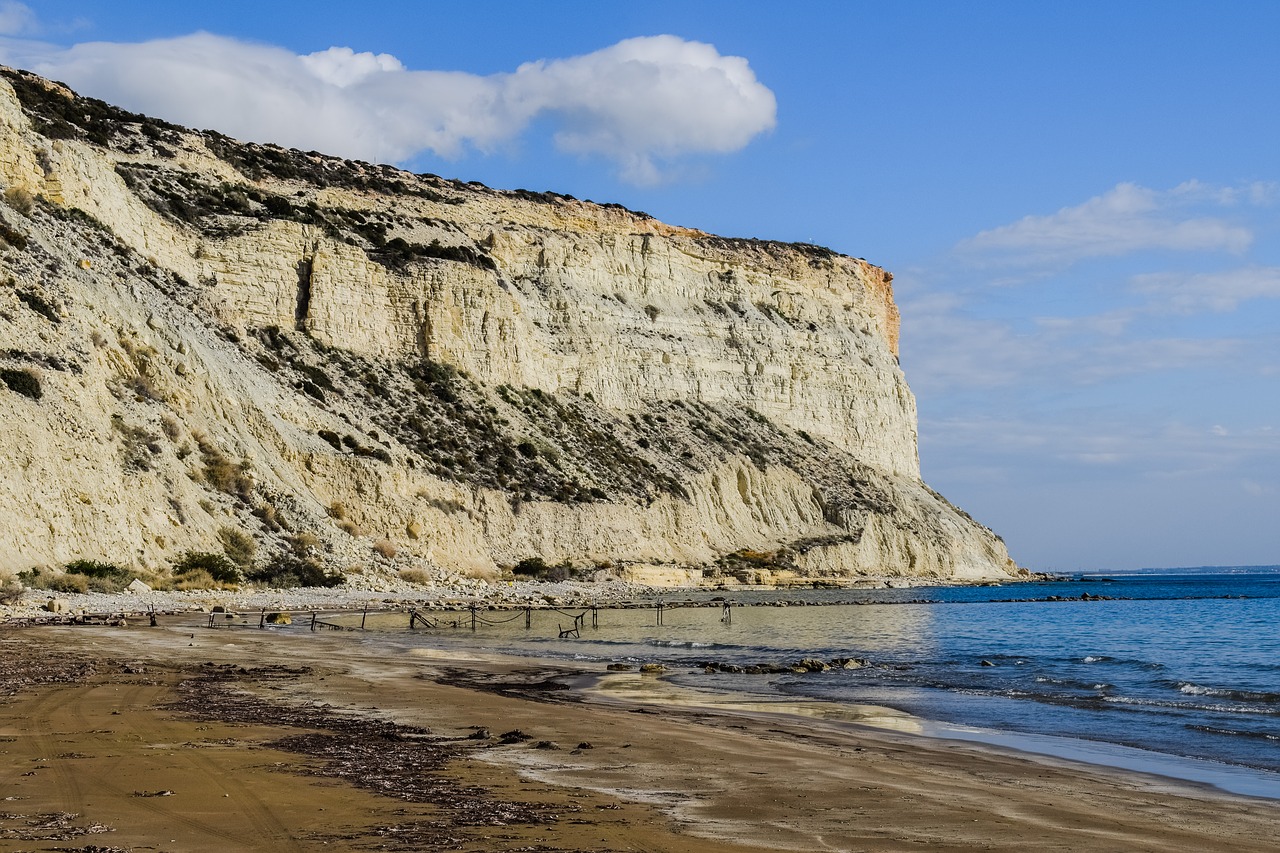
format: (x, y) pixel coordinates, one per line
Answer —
(690, 778)
(1160, 769)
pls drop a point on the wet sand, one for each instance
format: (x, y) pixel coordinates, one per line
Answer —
(190, 739)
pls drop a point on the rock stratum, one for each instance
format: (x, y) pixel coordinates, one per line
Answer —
(382, 369)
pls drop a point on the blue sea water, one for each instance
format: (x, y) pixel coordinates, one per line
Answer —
(1180, 662)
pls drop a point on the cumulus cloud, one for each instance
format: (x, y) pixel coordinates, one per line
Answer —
(641, 103)
(1127, 218)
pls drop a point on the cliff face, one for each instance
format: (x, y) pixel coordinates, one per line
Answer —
(232, 336)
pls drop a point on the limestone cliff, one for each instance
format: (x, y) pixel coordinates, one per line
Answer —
(200, 335)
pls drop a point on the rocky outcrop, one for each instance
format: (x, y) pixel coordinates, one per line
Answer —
(330, 356)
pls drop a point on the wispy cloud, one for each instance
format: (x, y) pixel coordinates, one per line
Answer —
(1161, 449)
(948, 346)
(1219, 292)
(642, 103)
(1127, 218)
(16, 19)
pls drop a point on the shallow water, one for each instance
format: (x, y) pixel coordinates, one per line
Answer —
(1186, 663)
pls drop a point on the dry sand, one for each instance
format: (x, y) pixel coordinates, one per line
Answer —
(191, 739)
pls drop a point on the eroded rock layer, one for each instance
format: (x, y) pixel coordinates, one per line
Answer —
(369, 366)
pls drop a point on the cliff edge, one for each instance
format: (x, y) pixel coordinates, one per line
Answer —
(386, 370)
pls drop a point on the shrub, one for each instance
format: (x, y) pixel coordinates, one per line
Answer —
(302, 543)
(531, 567)
(385, 548)
(221, 473)
(22, 382)
(39, 578)
(269, 516)
(140, 444)
(198, 579)
(170, 426)
(20, 200)
(66, 583)
(83, 575)
(238, 546)
(218, 567)
(417, 576)
(97, 569)
(11, 591)
(287, 571)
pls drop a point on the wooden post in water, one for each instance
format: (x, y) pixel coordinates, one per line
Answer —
(314, 616)
(473, 617)
(659, 612)
(595, 617)
(364, 616)
(726, 613)
(262, 618)
(528, 618)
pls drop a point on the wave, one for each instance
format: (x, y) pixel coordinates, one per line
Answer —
(1193, 689)
(1190, 706)
(1233, 732)
(1112, 661)
(1073, 683)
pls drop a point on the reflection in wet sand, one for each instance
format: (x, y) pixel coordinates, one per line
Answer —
(644, 689)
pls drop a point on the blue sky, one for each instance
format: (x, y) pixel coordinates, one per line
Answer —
(1079, 200)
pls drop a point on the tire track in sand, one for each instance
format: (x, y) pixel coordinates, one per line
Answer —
(140, 726)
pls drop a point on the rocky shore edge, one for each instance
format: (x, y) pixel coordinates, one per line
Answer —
(37, 606)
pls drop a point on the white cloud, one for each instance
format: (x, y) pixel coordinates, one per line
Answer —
(16, 19)
(641, 102)
(949, 348)
(647, 96)
(1256, 489)
(1219, 292)
(342, 66)
(1127, 218)
(1154, 447)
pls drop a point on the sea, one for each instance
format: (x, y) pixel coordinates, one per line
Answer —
(1174, 672)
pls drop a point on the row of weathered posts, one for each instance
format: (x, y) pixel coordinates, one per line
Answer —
(471, 618)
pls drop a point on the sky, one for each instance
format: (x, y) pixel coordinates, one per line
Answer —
(1080, 201)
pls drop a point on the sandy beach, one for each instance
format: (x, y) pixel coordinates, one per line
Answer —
(182, 738)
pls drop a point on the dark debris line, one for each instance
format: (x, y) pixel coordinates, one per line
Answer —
(402, 762)
(18, 672)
